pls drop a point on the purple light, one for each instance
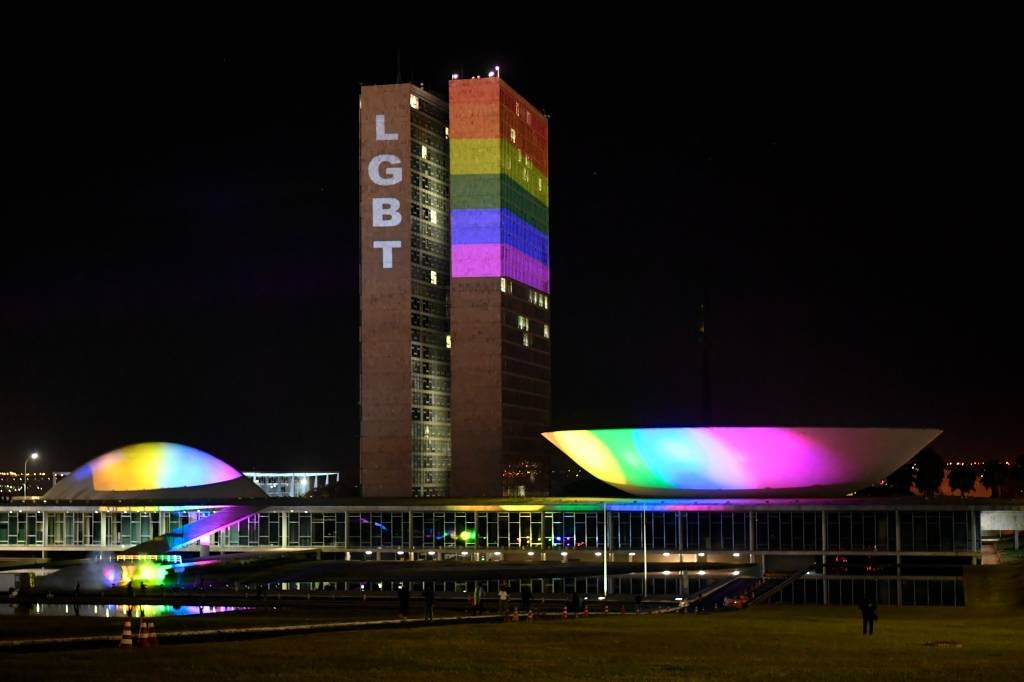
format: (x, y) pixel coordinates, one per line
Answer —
(497, 260)
(752, 460)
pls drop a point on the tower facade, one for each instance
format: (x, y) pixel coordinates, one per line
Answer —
(500, 290)
(405, 371)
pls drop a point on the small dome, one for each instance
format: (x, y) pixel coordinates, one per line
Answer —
(154, 470)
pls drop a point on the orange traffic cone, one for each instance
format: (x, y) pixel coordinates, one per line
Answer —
(126, 635)
(515, 615)
(152, 633)
(565, 613)
(143, 634)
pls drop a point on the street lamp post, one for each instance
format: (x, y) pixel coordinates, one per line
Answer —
(24, 474)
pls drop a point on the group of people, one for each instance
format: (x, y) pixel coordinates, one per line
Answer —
(739, 602)
(427, 593)
(477, 596)
(476, 600)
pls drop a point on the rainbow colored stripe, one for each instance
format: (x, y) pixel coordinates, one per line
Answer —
(758, 460)
(499, 184)
(153, 466)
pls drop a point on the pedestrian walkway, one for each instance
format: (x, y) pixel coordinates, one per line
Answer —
(184, 636)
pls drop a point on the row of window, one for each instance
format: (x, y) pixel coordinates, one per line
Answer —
(437, 173)
(421, 137)
(431, 369)
(428, 337)
(430, 384)
(426, 183)
(425, 112)
(436, 248)
(434, 263)
(920, 531)
(422, 305)
(430, 431)
(424, 228)
(428, 322)
(432, 414)
(439, 456)
(431, 399)
(429, 207)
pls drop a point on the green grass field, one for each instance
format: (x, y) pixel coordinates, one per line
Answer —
(770, 643)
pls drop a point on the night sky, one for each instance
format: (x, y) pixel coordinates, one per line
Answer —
(179, 254)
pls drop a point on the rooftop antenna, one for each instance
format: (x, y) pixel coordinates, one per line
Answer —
(705, 343)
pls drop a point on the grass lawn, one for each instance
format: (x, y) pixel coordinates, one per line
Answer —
(782, 643)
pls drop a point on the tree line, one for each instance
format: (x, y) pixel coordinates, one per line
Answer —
(927, 470)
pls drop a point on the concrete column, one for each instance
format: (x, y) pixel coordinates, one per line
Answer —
(824, 570)
(899, 569)
(643, 535)
(975, 538)
(751, 541)
(284, 529)
(604, 576)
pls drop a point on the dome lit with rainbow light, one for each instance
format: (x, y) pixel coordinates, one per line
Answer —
(742, 461)
(154, 470)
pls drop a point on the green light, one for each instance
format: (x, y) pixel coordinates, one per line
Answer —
(468, 536)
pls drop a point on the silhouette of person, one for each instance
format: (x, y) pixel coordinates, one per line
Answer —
(478, 593)
(868, 616)
(525, 596)
(428, 603)
(403, 601)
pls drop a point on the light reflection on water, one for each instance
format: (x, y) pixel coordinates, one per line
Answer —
(116, 610)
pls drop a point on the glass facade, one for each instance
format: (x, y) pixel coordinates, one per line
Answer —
(896, 556)
(431, 276)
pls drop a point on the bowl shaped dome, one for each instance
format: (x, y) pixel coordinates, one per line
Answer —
(742, 461)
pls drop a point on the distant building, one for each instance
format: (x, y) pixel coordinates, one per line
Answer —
(35, 483)
(293, 483)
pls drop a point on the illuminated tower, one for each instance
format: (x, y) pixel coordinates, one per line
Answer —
(500, 306)
(404, 371)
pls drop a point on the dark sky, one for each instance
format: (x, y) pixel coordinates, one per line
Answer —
(179, 251)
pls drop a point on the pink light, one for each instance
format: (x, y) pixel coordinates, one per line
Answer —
(749, 460)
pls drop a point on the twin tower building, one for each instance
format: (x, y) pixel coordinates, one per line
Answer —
(455, 324)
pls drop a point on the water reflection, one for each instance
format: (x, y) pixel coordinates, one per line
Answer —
(117, 610)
